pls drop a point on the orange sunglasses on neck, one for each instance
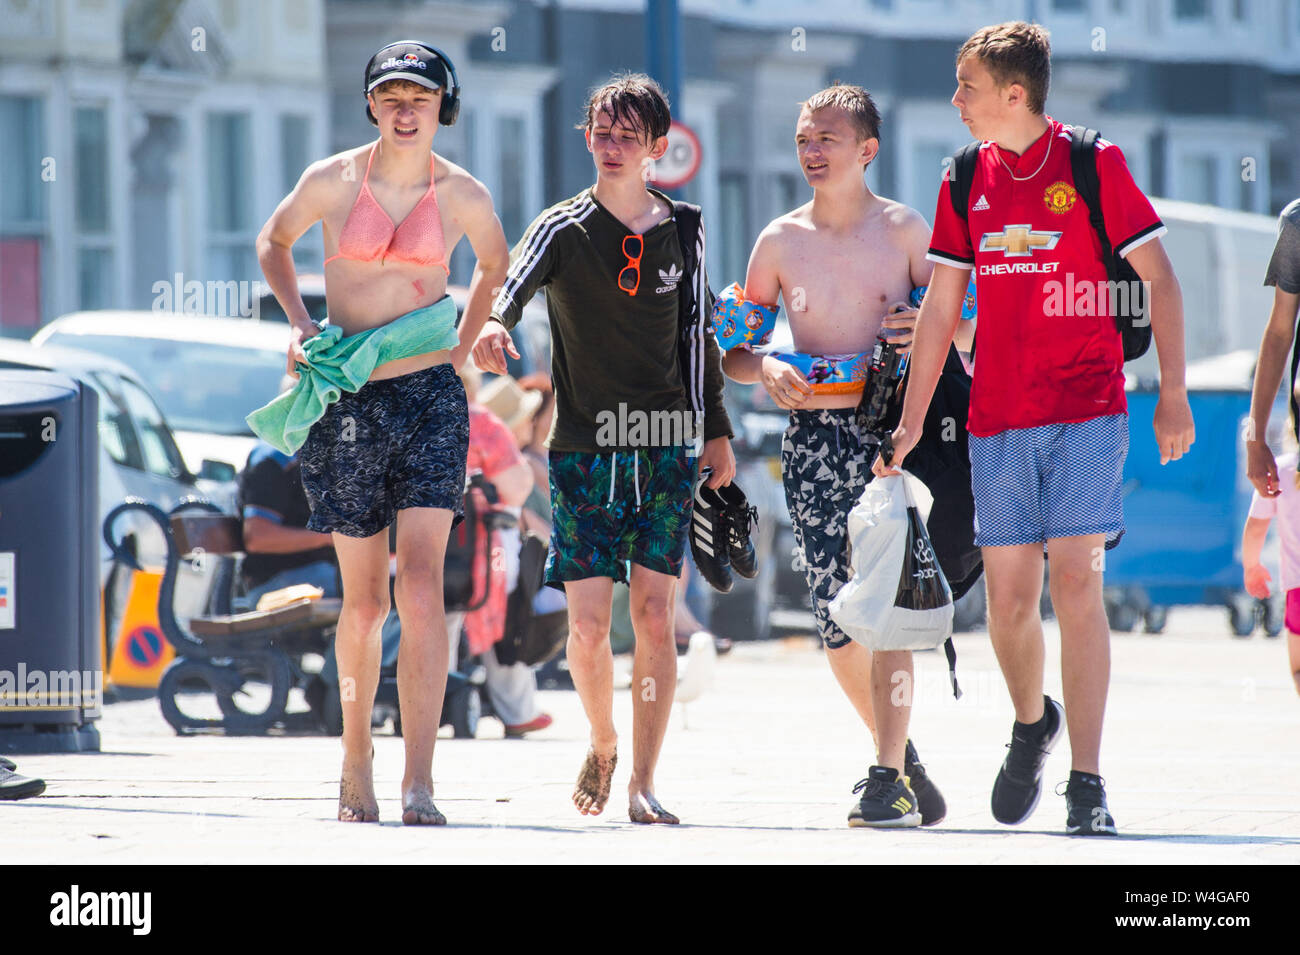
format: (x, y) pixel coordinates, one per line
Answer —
(629, 279)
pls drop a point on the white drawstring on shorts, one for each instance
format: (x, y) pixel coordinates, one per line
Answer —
(636, 476)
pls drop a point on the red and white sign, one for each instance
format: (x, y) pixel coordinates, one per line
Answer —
(681, 161)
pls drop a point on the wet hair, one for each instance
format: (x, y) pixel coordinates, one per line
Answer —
(1015, 52)
(855, 101)
(634, 100)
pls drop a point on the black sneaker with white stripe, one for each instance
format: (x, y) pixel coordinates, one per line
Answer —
(710, 533)
(741, 520)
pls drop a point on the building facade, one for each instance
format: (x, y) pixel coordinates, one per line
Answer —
(145, 143)
(144, 138)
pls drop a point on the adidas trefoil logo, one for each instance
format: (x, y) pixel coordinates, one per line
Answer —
(670, 279)
(981, 204)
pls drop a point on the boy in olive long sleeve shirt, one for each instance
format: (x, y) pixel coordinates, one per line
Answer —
(638, 406)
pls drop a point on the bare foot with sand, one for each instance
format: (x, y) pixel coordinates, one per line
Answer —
(418, 808)
(357, 792)
(594, 779)
(643, 807)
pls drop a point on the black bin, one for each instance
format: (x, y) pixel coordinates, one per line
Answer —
(51, 672)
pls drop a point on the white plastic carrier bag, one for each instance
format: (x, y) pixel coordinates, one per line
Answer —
(897, 598)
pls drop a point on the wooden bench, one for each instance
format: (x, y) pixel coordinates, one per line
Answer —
(302, 625)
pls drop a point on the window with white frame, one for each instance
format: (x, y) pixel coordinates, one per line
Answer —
(735, 236)
(231, 226)
(510, 173)
(928, 158)
(296, 156)
(1198, 175)
(787, 192)
(95, 275)
(1191, 10)
(23, 212)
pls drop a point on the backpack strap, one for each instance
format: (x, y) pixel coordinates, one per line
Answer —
(687, 217)
(1083, 164)
(961, 175)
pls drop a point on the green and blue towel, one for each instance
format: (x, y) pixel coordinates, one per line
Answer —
(336, 364)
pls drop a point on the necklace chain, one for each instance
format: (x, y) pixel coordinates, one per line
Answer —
(1016, 178)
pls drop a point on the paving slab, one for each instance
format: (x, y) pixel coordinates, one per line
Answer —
(1201, 756)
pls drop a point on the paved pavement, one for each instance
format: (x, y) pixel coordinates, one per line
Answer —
(1201, 757)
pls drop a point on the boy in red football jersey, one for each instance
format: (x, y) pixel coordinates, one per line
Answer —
(1048, 420)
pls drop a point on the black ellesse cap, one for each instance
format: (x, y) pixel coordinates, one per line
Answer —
(406, 61)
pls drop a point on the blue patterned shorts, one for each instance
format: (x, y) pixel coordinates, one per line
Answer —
(825, 465)
(395, 443)
(1055, 480)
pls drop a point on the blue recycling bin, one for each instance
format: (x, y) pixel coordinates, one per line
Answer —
(51, 675)
(1184, 519)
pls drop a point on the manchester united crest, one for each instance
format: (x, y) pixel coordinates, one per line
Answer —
(1059, 197)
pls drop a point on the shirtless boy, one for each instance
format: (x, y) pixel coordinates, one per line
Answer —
(391, 211)
(844, 264)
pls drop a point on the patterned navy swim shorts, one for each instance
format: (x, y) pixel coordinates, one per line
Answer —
(825, 465)
(396, 443)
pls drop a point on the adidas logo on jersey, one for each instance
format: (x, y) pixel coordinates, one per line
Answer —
(670, 279)
(980, 205)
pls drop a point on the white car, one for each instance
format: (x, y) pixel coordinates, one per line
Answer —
(207, 373)
(138, 456)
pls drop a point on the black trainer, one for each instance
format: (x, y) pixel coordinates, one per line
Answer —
(742, 520)
(929, 800)
(886, 803)
(1086, 812)
(710, 532)
(13, 786)
(1020, 780)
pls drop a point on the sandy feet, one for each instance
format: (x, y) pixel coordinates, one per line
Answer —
(418, 808)
(594, 779)
(643, 807)
(357, 792)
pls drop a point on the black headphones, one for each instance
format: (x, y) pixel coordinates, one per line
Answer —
(449, 109)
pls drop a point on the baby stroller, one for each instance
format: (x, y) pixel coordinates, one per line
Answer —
(471, 576)
(530, 631)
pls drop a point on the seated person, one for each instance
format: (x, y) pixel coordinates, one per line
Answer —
(280, 551)
(494, 451)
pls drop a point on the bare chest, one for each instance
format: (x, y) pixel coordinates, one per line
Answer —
(837, 289)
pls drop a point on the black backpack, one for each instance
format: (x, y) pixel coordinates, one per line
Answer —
(1133, 322)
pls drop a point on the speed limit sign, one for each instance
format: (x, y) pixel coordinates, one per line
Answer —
(681, 161)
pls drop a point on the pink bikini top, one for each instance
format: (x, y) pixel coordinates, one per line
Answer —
(369, 233)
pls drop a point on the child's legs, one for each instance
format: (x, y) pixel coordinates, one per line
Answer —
(1293, 654)
(1292, 624)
